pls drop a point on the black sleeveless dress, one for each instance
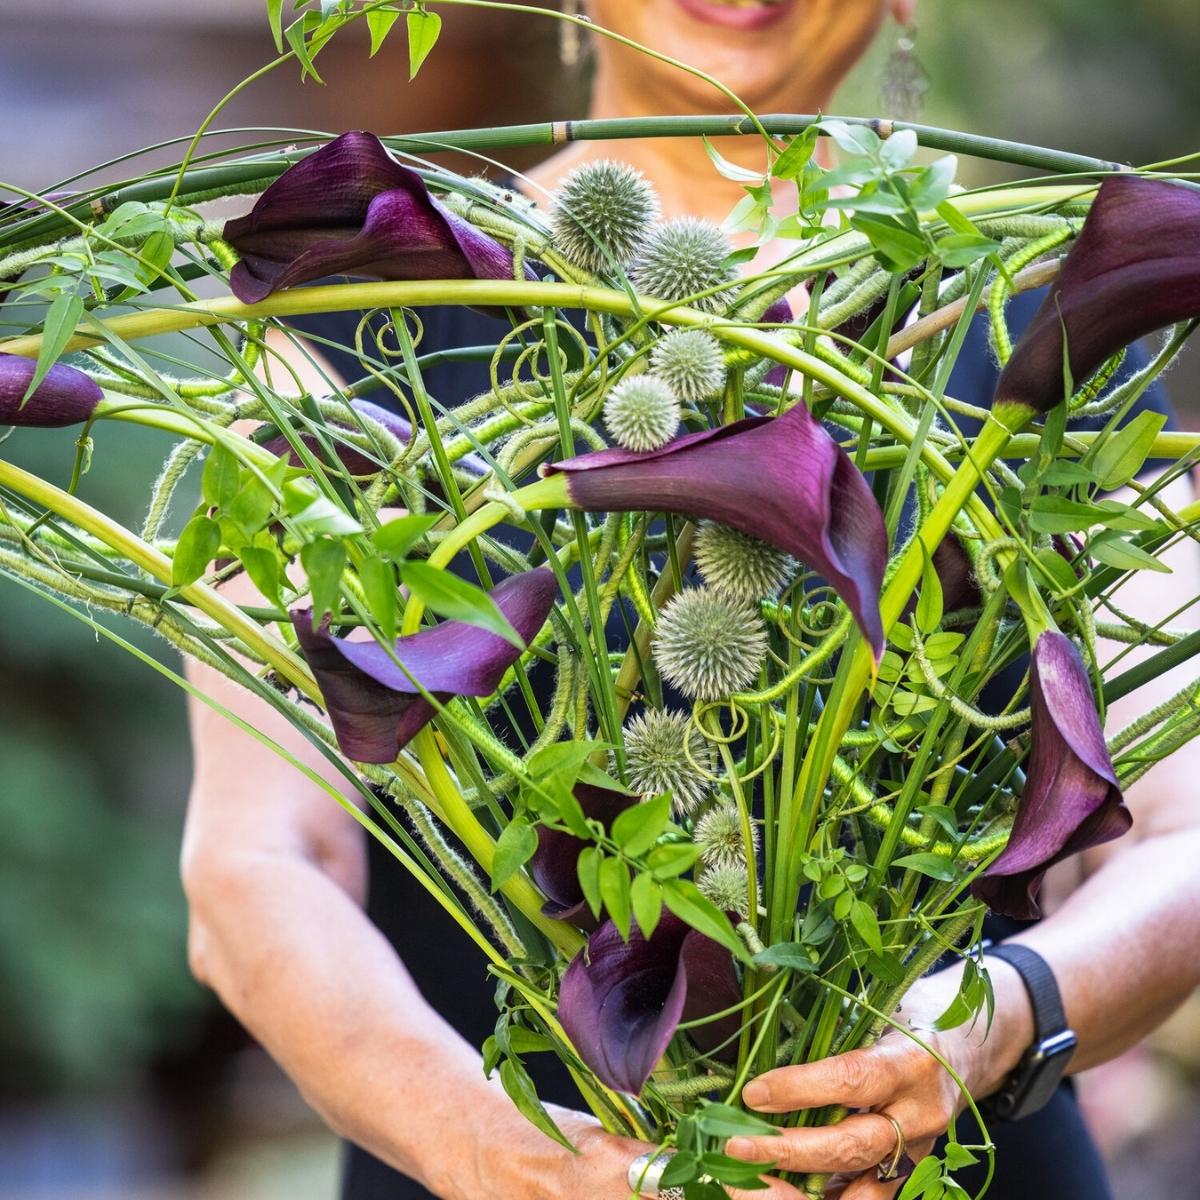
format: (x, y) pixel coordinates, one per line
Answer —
(1048, 1156)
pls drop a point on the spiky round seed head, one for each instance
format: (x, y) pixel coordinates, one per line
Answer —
(641, 413)
(682, 257)
(727, 888)
(708, 645)
(740, 566)
(718, 833)
(665, 752)
(602, 213)
(690, 360)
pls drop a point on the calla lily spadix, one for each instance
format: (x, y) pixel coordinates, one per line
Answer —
(554, 866)
(1135, 268)
(783, 480)
(351, 209)
(64, 397)
(621, 1002)
(1071, 798)
(376, 708)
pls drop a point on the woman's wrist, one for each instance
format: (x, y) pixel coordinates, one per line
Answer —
(983, 1053)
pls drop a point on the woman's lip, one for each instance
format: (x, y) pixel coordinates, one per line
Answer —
(712, 13)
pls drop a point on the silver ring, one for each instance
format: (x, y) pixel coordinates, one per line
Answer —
(645, 1172)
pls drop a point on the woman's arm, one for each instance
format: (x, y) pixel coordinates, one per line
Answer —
(1124, 946)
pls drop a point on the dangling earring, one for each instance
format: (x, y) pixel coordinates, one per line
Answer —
(904, 84)
(569, 41)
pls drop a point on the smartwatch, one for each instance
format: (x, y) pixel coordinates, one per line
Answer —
(1043, 1065)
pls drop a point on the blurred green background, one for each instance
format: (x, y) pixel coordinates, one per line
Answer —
(118, 1075)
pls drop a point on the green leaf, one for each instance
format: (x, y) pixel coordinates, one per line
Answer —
(797, 155)
(928, 1171)
(521, 1091)
(932, 865)
(897, 151)
(962, 249)
(262, 566)
(1056, 514)
(514, 848)
(958, 222)
(323, 516)
(156, 253)
(379, 23)
(62, 317)
(449, 596)
(728, 169)
(251, 505)
(397, 537)
(323, 562)
(527, 1041)
(958, 1157)
(900, 248)
(295, 35)
(866, 925)
(691, 906)
(665, 862)
(615, 892)
(1056, 569)
(197, 547)
(929, 602)
(725, 1121)
(853, 139)
(379, 588)
(221, 478)
(564, 761)
(646, 894)
(791, 956)
(588, 870)
(1114, 551)
(1122, 455)
(423, 31)
(932, 185)
(638, 828)
(681, 1168)
(275, 17)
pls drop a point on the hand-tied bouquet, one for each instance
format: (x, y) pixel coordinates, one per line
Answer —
(682, 635)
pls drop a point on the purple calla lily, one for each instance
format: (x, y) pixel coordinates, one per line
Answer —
(351, 209)
(1071, 799)
(1134, 269)
(783, 480)
(554, 865)
(621, 1002)
(376, 709)
(64, 397)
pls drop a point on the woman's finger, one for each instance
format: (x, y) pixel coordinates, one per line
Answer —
(852, 1145)
(859, 1079)
(776, 1189)
(868, 1186)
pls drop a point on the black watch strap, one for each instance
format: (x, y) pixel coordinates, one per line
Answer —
(1042, 1067)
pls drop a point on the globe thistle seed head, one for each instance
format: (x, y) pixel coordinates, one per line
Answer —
(718, 833)
(740, 566)
(728, 888)
(690, 360)
(665, 752)
(707, 645)
(602, 213)
(641, 413)
(682, 257)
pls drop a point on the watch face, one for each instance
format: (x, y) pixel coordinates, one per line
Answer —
(1039, 1074)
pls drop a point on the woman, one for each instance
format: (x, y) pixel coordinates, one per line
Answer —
(277, 876)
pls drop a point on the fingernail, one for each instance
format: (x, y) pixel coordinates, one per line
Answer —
(739, 1147)
(756, 1093)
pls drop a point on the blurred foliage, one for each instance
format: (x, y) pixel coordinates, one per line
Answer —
(1102, 77)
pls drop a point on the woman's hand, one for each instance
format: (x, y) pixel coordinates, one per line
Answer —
(895, 1076)
(527, 1165)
